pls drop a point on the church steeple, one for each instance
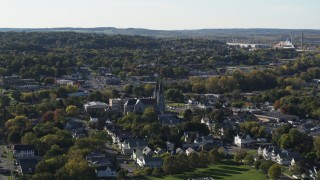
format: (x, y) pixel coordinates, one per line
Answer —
(161, 106)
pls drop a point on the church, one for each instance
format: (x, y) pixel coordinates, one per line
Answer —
(157, 102)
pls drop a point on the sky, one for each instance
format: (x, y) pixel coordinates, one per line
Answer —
(161, 14)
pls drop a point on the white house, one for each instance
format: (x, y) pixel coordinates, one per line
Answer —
(22, 150)
(275, 154)
(242, 141)
(190, 151)
(129, 145)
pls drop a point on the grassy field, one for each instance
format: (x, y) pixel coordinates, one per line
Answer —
(176, 104)
(228, 170)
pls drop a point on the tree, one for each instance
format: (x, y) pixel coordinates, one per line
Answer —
(48, 116)
(214, 156)
(274, 171)
(174, 95)
(18, 124)
(285, 141)
(16, 95)
(194, 160)
(316, 144)
(155, 172)
(14, 137)
(55, 150)
(78, 168)
(183, 162)
(4, 101)
(249, 160)
(149, 115)
(203, 158)
(257, 164)
(122, 174)
(240, 154)
(187, 114)
(72, 110)
(170, 165)
(265, 165)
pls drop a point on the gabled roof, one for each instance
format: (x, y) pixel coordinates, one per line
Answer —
(94, 154)
(208, 138)
(146, 150)
(28, 165)
(135, 142)
(190, 150)
(148, 101)
(103, 168)
(131, 102)
(152, 159)
(178, 150)
(23, 147)
(100, 161)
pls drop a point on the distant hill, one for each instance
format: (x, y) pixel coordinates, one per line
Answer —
(225, 35)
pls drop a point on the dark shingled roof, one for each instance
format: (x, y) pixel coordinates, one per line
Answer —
(23, 147)
(131, 102)
(28, 166)
(148, 101)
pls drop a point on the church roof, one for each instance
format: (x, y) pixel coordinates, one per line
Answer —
(131, 102)
(148, 101)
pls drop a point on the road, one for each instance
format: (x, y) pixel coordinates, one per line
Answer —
(5, 163)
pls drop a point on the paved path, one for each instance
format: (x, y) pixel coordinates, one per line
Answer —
(4, 162)
(2, 177)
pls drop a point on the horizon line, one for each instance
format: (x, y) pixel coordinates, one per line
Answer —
(220, 28)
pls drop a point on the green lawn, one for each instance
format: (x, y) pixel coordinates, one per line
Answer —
(228, 170)
(176, 104)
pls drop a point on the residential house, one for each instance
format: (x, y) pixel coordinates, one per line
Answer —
(97, 159)
(119, 136)
(104, 166)
(78, 135)
(190, 151)
(243, 141)
(22, 150)
(75, 125)
(64, 82)
(207, 146)
(152, 162)
(111, 128)
(136, 153)
(129, 145)
(158, 151)
(179, 151)
(94, 154)
(275, 154)
(147, 151)
(170, 146)
(116, 104)
(190, 136)
(106, 172)
(210, 124)
(26, 165)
